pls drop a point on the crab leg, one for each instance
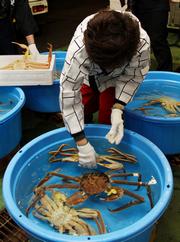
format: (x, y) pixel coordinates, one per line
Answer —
(37, 65)
(138, 200)
(114, 165)
(65, 185)
(127, 175)
(73, 158)
(63, 152)
(143, 109)
(55, 173)
(25, 47)
(126, 157)
(56, 152)
(155, 101)
(60, 151)
(50, 54)
(8, 67)
(46, 178)
(76, 198)
(65, 177)
(95, 215)
(145, 184)
(100, 161)
(131, 183)
(38, 195)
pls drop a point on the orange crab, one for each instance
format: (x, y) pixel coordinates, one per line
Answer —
(169, 104)
(95, 183)
(111, 161)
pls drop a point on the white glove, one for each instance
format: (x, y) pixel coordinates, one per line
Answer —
(33, 50)
(117, 128)
(87, 155)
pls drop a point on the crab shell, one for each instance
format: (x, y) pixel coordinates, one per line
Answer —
(94, 183)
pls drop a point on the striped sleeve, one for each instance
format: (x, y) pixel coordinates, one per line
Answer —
(71, 81)
(74, 72)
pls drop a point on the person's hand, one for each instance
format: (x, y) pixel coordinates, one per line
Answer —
(117, 128)
(33, 50)
(87, 155)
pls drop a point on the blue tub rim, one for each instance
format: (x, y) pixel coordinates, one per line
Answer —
(169, 76)
(144, 223)
(17, 107)
(163, 74)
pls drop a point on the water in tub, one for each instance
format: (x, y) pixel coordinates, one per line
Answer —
(7, 103)
(37, 166)
(168, 92)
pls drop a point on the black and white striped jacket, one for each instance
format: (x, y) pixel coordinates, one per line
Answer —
(78, 67)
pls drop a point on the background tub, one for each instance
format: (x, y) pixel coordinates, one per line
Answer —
(132, 225)
(11, 101)
(161, 130)
(45, 98)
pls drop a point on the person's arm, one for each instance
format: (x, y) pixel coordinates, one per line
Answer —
(71, 106)
(127, 85)
(32, 45)
(26, 24)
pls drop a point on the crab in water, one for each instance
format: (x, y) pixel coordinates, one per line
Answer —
(111, 161)
(171, 105)
(64, 218)
(27, 62)
(95, 183)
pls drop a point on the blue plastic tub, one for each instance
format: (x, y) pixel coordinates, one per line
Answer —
(134, 224)
(45, 98)
(162, 130)
(11, 101)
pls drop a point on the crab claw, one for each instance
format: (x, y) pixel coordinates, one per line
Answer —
(113, 193)
(77, 198)
(23, 46)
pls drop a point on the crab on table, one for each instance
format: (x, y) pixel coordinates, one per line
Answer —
(111, 161)
(64, 218)
(95, 183)
(171, 105)
(27, 62)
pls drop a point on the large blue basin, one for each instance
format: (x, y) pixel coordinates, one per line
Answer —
(134, 224)
(159, 127)
(11, 102)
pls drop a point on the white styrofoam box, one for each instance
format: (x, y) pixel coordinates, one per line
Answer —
(26, 77)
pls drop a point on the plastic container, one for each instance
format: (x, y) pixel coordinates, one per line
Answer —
(134, 224)
(26, 77)
(162, 130)
(46, 98)
(11, 102)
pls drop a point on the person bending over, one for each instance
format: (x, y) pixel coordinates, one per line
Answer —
(109, 51)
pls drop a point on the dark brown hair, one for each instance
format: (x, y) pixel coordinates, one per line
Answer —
(111, 38)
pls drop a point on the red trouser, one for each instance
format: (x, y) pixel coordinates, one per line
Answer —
(94, 101)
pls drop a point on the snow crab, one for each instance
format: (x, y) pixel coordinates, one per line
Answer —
(169, 104)
(111, 161)
(27, 62)
(64, 218)
(95, 183)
